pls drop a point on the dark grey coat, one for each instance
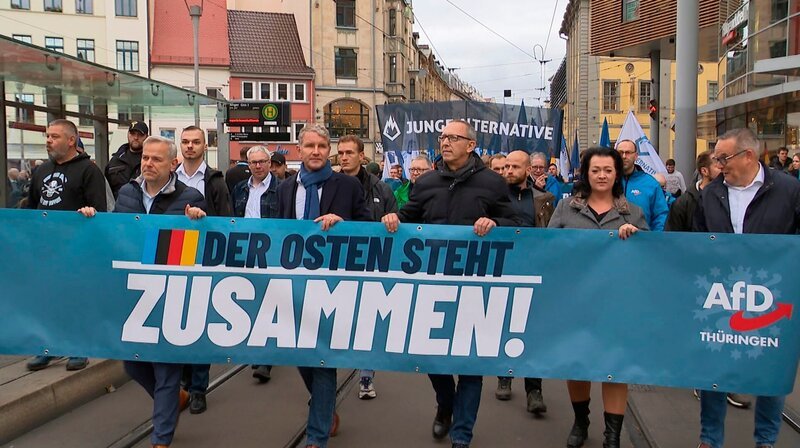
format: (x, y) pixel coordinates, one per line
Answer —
(574, 213)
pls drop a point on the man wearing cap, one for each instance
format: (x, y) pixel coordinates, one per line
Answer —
(125, 164)
(278, 166)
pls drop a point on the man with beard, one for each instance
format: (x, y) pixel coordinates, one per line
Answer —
(125, 164)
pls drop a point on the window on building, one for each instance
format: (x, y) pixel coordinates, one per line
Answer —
(85, 107)
(53, 5)
(23, 38)
(54, 44)
(125, 8)
(265, 91)
(282, 91)
(777, 48)
(128, 55)
(392, 68)
(296, 128)
(24, 114)
(779, 10)
(127, 114)
(713, 91)
(630, 10)
(645, 93)
(412, 89)
(344, 117)
(346, 13)
(84, 6)
(393, 22)
(213, 141)
(299, 92)
(247, 90)
(214, 92)
(346, 63)
(611, 96)
(21, 4)
(86, 49)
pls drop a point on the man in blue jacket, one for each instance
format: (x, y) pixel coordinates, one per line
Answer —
(747, 198)
(158, 191)
(318, 193)
(641, 188)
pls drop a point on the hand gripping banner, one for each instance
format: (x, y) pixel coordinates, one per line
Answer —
(672, 309)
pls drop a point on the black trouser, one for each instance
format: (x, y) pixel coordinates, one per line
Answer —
(530, 383)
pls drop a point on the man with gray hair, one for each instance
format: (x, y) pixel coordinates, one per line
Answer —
(747, 197)
(542, 180)
(318, 193)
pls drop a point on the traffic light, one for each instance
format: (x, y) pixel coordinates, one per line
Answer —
(653, 109)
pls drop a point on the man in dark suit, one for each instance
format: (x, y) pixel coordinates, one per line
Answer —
(327, 197)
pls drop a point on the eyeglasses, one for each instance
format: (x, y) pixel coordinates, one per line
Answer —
(626, 153)
(722, 161)
(418, 170)
(258, 162)
(537, 168)
(453, 138)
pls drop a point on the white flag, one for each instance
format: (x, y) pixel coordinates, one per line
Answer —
(648, 159)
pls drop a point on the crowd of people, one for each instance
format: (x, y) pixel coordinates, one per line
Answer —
(734, 193)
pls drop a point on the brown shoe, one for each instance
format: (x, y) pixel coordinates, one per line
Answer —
(183, 400)
(160, 446)
(335, 425)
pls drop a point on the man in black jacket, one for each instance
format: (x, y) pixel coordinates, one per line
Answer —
(681, 215)
(125, 164)
(195, 173)
(463, 192)
(379, 200)
(747, 198)
(239, 172)
(67, 181)
(158, 191)
(320, 194)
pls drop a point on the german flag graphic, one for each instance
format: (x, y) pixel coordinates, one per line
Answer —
(171, 247)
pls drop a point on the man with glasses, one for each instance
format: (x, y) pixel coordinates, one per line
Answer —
(641, 188)
(419, 166)
(542, 179)
(747, 198)
(463, 192)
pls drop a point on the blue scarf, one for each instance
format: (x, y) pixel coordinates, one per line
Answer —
(311, 181)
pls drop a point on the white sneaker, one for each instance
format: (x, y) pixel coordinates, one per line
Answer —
(367, 389)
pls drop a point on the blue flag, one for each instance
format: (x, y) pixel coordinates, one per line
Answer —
(605, 139)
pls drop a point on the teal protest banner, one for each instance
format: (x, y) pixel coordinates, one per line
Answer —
(681, 310)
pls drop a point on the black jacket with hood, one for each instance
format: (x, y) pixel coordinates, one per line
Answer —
(71, 185)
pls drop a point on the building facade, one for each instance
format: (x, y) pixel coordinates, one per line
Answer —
(113, 33)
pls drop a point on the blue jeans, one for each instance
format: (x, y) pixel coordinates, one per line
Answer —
(714, 405)
(163, 383)
(463, 400)
(321, 383)
(198, 377)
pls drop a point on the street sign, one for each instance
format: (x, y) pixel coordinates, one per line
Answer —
(260, 137)
(259, 114)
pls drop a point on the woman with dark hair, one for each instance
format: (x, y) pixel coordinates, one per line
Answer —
(598, 202)
(794, 169)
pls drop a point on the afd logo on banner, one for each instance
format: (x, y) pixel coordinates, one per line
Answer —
(748, 309)
(185, 275)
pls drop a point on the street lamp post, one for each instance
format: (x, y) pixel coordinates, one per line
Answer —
(195, 12)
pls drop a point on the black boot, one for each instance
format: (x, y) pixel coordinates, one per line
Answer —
(580, 429)
(613, 430)
(442, 422)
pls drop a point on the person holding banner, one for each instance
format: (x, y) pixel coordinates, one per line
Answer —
(598, 202)
(67, 181)
(157, 191)
(318, 193)
(463, 191)
(641, 188)
(380, 200)
(748, 197)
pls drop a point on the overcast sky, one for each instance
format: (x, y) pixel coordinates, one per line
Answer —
(482, 58)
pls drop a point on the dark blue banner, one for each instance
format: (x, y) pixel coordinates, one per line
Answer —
(671, 309)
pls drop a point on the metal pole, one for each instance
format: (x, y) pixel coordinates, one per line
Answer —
(3, 146)
(223, 143)
(655, 93)
(196, 11)
(686, 87)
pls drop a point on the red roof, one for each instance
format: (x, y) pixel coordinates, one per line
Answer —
(266, 43)
(173, 40)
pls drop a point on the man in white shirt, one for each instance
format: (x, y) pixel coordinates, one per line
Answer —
(747, 198)
(675, 180)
